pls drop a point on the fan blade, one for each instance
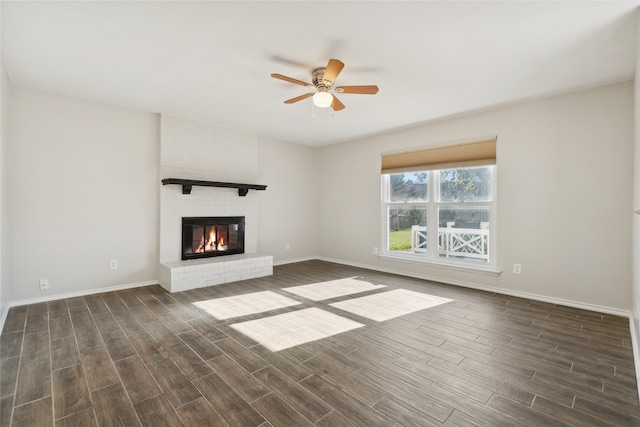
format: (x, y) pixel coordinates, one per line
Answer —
(336, 104)
(291, 80)
(333, 69)
(298, 98)
(364, 90)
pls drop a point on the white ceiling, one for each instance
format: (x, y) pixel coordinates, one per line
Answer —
(212, 60)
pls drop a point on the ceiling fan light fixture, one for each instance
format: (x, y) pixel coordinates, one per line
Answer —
(322, 99)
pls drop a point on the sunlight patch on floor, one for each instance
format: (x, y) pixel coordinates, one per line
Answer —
(332, 289)
(387, 305)
(242, 305)
(298, 327)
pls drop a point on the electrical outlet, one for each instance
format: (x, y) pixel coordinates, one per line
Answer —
(113, 264)
(287, 246)
(44, 284)
(375, 250)
(517, 269)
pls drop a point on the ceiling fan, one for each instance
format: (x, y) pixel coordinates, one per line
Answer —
(323, 80)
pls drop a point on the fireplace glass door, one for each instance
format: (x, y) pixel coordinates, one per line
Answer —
(212, 236)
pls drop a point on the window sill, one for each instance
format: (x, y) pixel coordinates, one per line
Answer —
(486, 270)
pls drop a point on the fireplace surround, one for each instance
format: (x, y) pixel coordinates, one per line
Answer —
(204, 237)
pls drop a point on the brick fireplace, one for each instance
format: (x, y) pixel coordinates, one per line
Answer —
(196, 151)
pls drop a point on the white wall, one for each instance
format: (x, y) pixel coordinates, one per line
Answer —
(83, 189)
(4, 225)
(564, 196)
(636, 218)
(287, 209)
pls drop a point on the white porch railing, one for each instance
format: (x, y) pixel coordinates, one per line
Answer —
(458, 242)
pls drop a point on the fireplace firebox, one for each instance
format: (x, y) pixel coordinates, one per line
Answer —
(204, 237)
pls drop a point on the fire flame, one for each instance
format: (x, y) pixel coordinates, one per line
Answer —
(221, 245)
(201, 247)
(211, 244)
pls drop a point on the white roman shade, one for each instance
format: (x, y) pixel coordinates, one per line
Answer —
(477, 153)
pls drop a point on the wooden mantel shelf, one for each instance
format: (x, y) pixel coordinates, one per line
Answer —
(187, 184)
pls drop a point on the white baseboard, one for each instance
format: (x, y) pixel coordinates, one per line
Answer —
(502, 291)
(72, 295)
(634, 347)
(3, 318)
(82, 293)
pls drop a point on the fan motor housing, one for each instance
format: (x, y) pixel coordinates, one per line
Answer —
(318, 80)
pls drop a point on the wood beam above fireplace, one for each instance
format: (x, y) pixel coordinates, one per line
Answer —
(187, 184)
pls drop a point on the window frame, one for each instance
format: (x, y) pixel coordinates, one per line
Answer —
(431, 205)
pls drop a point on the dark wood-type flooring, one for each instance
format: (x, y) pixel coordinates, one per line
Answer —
(146, 357)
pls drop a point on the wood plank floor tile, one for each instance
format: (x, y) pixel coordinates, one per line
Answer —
(35, 413)
(118, 345)
(60, 327)
(460, 419)
(113, 408)
(474, 391)
(149, 349)
(176, 386)
(11, 344)
(207, 329)
(176, 325)
(16, 319)
(162, 333)
(242, 355)
(607, 410)
(247, 386)
(99, 369)
(290, 367)
(233, 408)
(356, 386)
(57, 308)
(137, 380)
(8, 375)
(95, 304)
(278, 413)
(129, 298)
(70, 392)
(36, 322)
(567, 414)
(200, 413)
(36, 345)
(203, 347)
(84, 418)
(335, 419)
(301, 399)
(105, 322)
(129, 323)
(64, 352)
(156, 411)
(525, 414)
(77, 303)
(188, 361)
(81, 318)
(6, 410)
(114, 303)
(503, 388)
(88, 338)
(34, 380)
(414, 396)
(405, 414)
(349, 406)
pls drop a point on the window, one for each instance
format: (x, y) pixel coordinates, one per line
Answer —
(442, 215)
